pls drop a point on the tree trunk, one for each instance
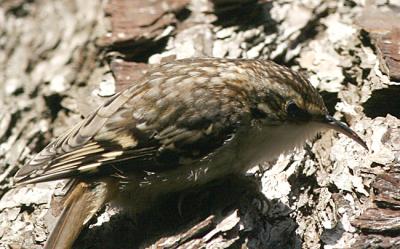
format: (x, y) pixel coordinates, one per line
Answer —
(60, 59)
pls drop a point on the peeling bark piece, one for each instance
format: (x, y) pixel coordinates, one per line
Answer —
(137, 22)
(376, 241)
(378, 220)
(384, 28)
(387, 188)
(127, 73)
(389, 53)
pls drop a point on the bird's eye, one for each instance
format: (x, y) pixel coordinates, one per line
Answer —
(295, 112)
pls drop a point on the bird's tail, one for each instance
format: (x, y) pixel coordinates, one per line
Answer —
(78, 206)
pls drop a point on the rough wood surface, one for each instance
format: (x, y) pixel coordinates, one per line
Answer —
(59, 59)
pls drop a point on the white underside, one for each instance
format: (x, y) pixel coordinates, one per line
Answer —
(246, 149)
(267, 143)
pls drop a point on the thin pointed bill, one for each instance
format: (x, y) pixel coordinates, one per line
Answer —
(344, 129)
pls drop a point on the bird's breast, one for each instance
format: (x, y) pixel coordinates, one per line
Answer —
(247, 148)
(266, 142)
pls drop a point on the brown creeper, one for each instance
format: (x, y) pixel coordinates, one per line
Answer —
(188, 122)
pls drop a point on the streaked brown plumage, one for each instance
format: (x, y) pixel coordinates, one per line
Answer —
(184, 123)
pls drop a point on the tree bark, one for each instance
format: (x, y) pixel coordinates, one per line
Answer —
(60, 59)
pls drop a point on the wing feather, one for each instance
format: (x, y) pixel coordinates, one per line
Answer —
(62, 156)
(152, 125)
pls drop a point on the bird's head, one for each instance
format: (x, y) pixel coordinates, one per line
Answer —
(285, 96)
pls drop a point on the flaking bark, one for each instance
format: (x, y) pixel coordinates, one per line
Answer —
(59, 59)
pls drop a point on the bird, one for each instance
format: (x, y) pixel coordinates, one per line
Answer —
(183, 124)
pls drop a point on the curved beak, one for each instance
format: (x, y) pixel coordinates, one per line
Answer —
(344, 129)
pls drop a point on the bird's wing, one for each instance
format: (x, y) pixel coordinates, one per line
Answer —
(64, 155)
(134, 125)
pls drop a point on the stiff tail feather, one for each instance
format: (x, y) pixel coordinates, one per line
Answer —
(81, 203)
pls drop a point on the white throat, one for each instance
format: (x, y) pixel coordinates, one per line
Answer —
(268, 142)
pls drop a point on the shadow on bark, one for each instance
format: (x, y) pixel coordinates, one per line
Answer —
(228, 211)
